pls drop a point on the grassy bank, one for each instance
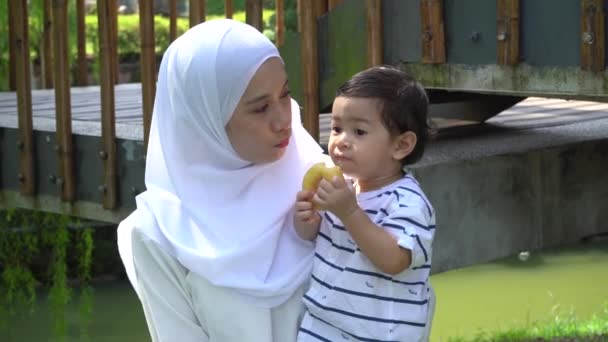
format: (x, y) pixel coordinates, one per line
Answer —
(563, 327)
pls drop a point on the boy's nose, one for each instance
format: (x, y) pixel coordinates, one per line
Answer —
(343, 141)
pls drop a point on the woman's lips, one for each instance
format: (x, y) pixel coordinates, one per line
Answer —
(283, 143)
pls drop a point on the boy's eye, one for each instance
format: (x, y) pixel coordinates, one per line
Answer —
(336, 129)
(360, 132)
(285, 94)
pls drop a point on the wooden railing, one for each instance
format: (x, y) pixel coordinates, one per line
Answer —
(308, 12)
(54, 57)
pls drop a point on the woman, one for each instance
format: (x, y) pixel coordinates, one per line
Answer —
(211, 250)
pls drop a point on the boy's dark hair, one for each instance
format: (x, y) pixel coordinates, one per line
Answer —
(403, 102)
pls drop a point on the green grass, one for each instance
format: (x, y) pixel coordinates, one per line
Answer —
(563, 327)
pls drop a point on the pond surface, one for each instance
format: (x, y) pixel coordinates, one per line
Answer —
(498, 295)
(510, 292)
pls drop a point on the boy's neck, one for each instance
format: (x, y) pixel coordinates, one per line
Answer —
(377, 183)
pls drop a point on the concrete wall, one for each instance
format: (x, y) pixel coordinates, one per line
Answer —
(496, 206)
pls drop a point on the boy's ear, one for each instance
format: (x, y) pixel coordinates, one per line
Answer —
(404, 144)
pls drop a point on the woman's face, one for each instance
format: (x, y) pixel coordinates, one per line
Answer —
(260, 127)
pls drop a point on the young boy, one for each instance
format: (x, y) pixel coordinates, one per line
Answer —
(370, 280)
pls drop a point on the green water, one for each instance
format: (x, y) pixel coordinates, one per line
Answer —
(117, 316)
(498, 295)
(510, 293)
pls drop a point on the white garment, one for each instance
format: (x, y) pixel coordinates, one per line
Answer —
(314, 330)
(221, 217)
(181, 306)
(349, 296)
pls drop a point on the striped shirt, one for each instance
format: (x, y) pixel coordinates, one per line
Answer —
(351, 299)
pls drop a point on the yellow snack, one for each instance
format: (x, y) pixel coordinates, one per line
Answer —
(317, 172)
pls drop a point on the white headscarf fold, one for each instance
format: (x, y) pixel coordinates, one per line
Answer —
(222, 217)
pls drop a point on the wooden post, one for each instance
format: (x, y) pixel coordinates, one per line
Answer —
(172, 19)
(202, 11)
(253, 14)
(310, 69)
(197, 12)
(108, 152)
(46, 62)
(331, 4)
(228, 8)
(280, 22)
(193, 12)
(507, 31)
(433, 36)
(374, 32)
(113, 12)
(320, 7)
(299, 11)
(25, 144)
(82, 75)
(12, 83)
(592, 35)
(65, 181)
(147, 62)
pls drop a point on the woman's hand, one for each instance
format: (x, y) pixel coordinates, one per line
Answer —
(336, 196)
(306, 219)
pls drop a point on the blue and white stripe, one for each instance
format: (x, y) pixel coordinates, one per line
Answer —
(349, 297)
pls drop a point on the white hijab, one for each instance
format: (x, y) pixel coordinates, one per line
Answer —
(222, 217)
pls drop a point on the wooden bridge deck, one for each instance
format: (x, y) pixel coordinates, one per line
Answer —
(530, 177)
(86, 108)
(504, 184)
(532, 124)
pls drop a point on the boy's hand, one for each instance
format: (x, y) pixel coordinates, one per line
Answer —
(306, 218)
(336, 196)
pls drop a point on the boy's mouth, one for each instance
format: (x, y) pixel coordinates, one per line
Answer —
(340, 158)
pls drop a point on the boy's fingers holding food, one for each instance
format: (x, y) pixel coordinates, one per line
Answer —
(303, 205)
(338, 182)
(304, 195)
(307, 216)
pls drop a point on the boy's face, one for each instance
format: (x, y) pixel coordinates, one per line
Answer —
(359, 143)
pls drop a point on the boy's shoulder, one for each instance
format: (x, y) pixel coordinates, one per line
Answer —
(409, 194)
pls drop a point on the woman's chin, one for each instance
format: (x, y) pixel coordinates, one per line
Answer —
(276, 155)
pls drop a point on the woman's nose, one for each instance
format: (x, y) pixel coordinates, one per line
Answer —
(281, 121)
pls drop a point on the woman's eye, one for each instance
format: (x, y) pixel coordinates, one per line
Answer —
(261, 109)
(360, 132)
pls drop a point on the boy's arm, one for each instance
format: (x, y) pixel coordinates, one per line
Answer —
(380, 247)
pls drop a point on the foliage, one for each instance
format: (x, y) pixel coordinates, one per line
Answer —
(39, 250)
(129, 35)
(128, 44)
(216, 7)
(291, 17)
(35, 28)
